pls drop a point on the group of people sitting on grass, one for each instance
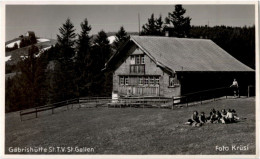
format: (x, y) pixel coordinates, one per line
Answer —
(222, 116)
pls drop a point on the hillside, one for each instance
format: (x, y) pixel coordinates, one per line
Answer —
(14, 56)
(10, 43)
(134, 130)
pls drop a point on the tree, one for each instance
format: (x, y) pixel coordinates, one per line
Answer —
(66, 52)
(180, 23)
(153, 27)
(26, 41)
(159, 26)
(32, 78)
(121, 37)
(66, 40)
(102, 48)
(83, 59)
(150, 27)
(32, 39)
(15, 46)
(235, 40)
(100, 53)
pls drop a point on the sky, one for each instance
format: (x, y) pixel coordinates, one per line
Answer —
(45, 20)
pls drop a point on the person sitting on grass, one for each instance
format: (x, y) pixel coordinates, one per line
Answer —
(223, 116)
(218, 115)
(235, 114)
(202, 118)
(230, 116)
(223, 113)
(194, 119)
(212, 116)
(215, 117)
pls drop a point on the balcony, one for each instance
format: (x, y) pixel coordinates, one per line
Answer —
(137, 69)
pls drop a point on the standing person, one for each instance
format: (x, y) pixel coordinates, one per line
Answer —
(235, 88)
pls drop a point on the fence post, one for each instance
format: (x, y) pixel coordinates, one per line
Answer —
(248, 91)
(20, 116)
(226, 93)
(36, 112)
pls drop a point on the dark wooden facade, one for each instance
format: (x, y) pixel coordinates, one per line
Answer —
(139, 75)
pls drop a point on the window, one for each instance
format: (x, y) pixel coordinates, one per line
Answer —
(121, 81)
(146, 80)
(171, 84)
(137, 68)
(126, 80)
(137, 64)
(157, 81)
(151, 81)
(137, 60)
(142, 59)
(173, 81)
(141, 81)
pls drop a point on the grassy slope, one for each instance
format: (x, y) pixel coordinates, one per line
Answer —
(16, 54)
(136, 130)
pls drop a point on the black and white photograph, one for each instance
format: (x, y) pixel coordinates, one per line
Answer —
(130, 79)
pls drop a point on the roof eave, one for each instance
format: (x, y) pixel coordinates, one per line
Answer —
(150, 56)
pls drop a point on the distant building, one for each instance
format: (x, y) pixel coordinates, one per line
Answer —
(172, 67)
(30, 33)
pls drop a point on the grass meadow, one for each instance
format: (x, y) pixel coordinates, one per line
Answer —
(135, 130)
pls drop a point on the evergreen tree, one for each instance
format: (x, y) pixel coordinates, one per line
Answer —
(121, 38)
(15, 46)
(102, 48)
(32, 39)
(22, 43)
(159, 26)
(26, 41)
(100, 53)
(180, 23)
(66, 52)
(83, 60)
(66, 40)
(150, 27)
(32, 78)
(153, 27)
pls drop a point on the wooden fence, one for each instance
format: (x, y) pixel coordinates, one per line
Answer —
(51, 107)
(158, 102)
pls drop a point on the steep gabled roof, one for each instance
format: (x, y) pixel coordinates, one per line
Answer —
(183, 54)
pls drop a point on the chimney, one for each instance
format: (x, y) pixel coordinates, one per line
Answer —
(169, 30)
